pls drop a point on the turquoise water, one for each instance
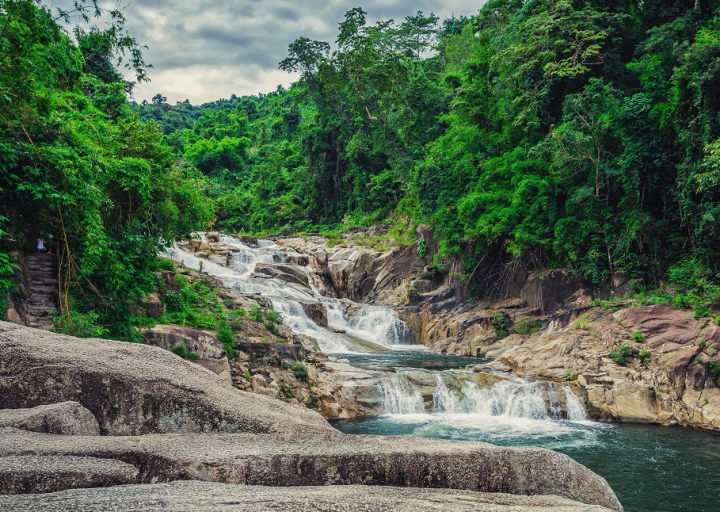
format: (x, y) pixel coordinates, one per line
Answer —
(651, 469)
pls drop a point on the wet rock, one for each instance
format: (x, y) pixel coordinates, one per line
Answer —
(215, 497)
(285, 273)
(133, 389)
(251, 241)
(66, 418)
(31, 474)
(316, 312)
(319, 460)
(355, 392)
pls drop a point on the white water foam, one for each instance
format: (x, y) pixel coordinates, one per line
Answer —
(507, 409)
(371, 328)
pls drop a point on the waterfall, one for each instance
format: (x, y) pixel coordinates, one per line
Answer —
(372, 328)
(295, 317)
(575, 411)
(401, 395)
(511, 398)
(379, 323)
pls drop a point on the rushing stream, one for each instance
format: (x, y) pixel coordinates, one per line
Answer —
(651, 469)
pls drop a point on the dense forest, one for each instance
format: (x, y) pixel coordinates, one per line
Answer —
(562, 133)
(565, 133)
(76, 162)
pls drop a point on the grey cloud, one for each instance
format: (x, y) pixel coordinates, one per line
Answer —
(221, 46)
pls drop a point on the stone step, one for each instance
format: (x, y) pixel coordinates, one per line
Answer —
(32, 269)
(49, 271)
(42, 327)
(43, 279)
(36, 314)
(43, 289)
(39, 258)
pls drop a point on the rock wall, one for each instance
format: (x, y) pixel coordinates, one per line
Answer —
(673, 385)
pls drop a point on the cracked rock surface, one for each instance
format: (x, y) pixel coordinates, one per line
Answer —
(309, 460)
(215, 497)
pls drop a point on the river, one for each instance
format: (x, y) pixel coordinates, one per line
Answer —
(651, 469)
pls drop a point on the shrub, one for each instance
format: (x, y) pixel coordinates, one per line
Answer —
(701, 311)
(638, 337)
(160, 264)
(702, 343)
(286, 391)
(300, 371)
(80, 325)
(225, 334)
(272, 328)
(621, 355)
(527, 326)
(712, 351)
(332, 238)
(714, 368)
(179, 350)
(502, 325)
(582, 323)
(698, 358)
(644, 355)
(274, 316)
(422, 247)
(255, 313)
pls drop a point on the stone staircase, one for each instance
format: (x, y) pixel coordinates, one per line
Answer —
(42, 305)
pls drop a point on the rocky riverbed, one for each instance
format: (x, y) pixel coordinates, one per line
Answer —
(546, 328)
(163, 419)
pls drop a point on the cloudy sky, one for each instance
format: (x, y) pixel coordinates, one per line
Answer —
(203, 50)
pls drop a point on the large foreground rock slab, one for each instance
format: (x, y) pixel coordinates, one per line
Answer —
(215, 497)
(66, 418)
(39, 474)
(318, 460)
(134, 389)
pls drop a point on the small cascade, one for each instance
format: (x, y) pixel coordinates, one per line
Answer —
(401, 395)
(442, 401)
(575, 411)
(379, 323)
(511, 398)
(371, 329)
(295, 317)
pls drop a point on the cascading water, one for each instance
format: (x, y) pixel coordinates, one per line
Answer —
(371, 328)
(401, 396)
(511, 398)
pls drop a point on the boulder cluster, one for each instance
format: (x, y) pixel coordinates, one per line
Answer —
(90, 424)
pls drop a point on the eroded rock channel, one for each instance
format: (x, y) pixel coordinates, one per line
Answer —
(375, 341)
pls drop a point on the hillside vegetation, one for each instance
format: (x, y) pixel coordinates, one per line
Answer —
(560, 133)
(565, 133)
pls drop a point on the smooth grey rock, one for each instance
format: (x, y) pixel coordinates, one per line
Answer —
(135, 389)
(216, 497)
(32, 474)
(66, 418)
(308, 460)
